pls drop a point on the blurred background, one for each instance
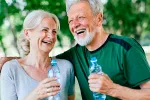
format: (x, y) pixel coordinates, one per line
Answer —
(122, 17)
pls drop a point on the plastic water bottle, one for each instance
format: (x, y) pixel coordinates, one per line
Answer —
(96, 68)
(54, 72)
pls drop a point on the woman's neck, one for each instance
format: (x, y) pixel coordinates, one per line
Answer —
(38, 60)
(36, 65)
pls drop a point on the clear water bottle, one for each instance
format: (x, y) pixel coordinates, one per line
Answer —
(96, 68)
(54, 72)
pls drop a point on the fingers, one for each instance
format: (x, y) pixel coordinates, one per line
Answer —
(103, 91)
(51, 94)
(47, 93)
(94, 76)
(52, 84)
(100, 83)
(97, 76)
(47, 80)
(52, 89)
(48, 87)
(96, 85)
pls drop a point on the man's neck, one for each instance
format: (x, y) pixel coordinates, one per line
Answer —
(99, 39)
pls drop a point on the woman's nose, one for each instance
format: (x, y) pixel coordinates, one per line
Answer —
(51, 35)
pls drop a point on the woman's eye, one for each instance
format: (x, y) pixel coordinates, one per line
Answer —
(54, 32)
(44, 30)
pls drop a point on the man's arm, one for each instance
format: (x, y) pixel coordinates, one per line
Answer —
(103, 84)
(5, 59)
(72, 97)
(132, 94)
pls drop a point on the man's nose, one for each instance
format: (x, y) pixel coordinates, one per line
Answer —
(75, 23)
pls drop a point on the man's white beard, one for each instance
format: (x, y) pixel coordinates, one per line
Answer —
(85, 40)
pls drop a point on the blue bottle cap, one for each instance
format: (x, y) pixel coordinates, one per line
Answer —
(93, 59)
(53, 61)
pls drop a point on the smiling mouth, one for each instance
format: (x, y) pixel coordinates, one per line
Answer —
(80, 31)
(47, 42)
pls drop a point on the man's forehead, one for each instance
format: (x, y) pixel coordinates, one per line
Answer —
(78, 8)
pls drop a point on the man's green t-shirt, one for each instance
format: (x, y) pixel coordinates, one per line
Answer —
(120, 57)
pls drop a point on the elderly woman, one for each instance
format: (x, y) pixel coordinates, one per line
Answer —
(26, 78)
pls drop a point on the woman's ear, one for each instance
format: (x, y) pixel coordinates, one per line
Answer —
(26, 34)
(100, 19)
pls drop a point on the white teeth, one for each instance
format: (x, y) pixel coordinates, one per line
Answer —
(47, 42)
(79, 31)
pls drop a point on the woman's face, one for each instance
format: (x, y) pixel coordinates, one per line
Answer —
(43, 37)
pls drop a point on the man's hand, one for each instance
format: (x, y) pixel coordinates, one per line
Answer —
(100, 83)
(103, 84)
(3, 60)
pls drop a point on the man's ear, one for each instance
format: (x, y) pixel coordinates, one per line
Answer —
(26, 34)
(100, 19)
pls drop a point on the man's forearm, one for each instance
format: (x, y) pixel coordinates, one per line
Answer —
(5, 59)
(126, 93)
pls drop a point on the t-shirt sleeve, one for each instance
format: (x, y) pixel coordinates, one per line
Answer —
(8, 91)
(71, 89)
(66, 55)
(137, 70)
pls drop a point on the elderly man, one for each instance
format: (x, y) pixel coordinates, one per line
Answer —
(127, 73)
(126, 70)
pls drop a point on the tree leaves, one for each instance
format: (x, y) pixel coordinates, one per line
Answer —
(126, 17)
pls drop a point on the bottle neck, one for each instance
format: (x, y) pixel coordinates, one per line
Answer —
(94, 63)
(54, 64)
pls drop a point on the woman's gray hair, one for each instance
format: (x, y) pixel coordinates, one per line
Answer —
(23, 45)
(96, 5)
(32, 20)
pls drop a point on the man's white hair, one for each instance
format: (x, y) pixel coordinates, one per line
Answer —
(96, 5)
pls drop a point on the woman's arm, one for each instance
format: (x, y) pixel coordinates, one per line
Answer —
(8, 90)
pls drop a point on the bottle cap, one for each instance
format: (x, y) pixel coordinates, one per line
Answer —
(53, 61)
(93, 59)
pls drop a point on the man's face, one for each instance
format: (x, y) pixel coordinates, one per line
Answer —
(82, 23)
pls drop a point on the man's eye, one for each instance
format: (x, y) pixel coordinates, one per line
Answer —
(70, 21)
(81, 17)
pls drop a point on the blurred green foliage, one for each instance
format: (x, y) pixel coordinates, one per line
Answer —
(125, 17)
(128, 17)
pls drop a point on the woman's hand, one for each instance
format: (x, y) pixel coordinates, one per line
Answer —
(47, 87)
